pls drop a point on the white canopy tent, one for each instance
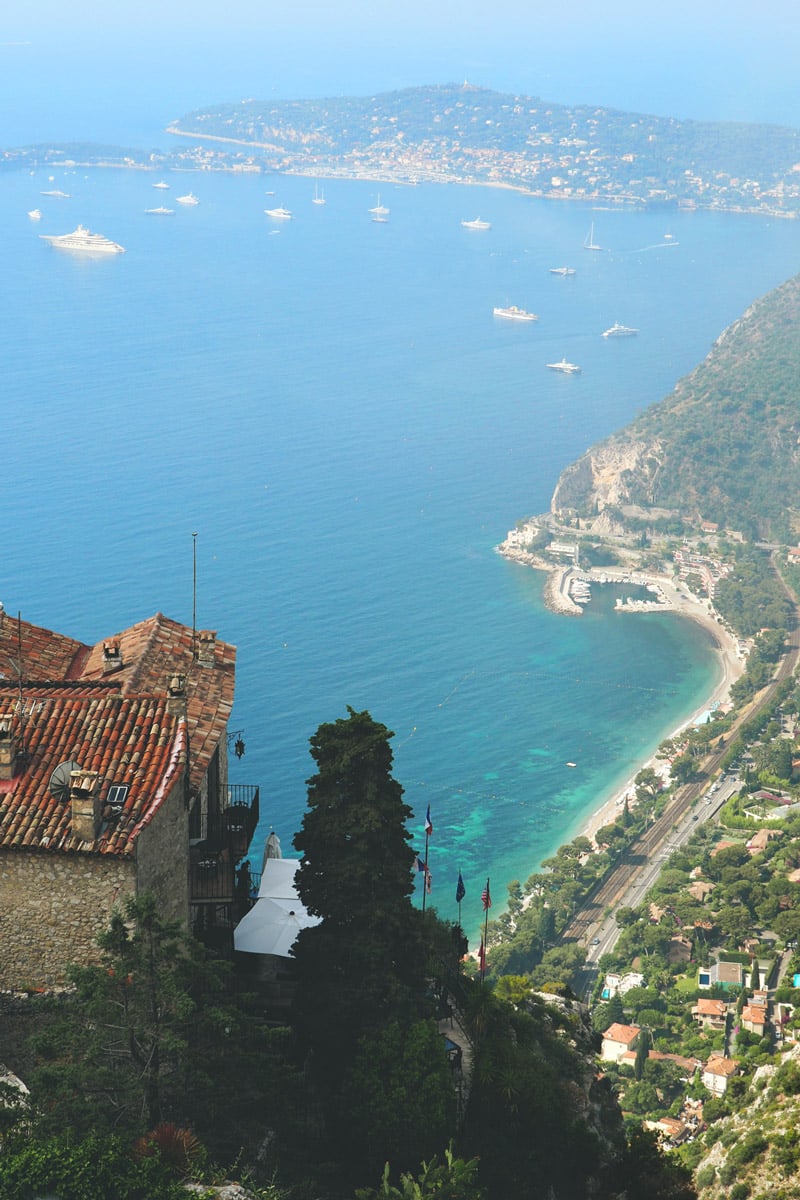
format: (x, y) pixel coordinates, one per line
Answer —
(273, 923)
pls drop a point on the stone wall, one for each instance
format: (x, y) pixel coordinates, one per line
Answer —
(52, 907)
(162, 856)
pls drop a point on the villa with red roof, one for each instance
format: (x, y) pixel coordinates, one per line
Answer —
(113, 783)
(618, 1039)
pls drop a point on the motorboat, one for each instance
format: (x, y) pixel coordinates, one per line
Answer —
(566, 368)
(515, 314)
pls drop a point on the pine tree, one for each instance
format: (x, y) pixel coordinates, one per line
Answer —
(364, 962)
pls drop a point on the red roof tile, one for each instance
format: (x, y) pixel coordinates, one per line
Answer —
(134, 741)
(150, 652)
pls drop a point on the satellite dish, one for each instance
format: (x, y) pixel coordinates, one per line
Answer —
(60, 779)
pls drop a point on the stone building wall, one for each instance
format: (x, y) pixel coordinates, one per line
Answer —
(52, 908)
(162, 856)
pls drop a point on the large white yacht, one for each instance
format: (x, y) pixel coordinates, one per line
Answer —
(81, 239)
(279, 214)
(380, 210)
(162, 185)
(59, 195)
(617, 330)
(476, 224)
(35, 214)
(514, 313)
(562, 270)
(187, 199)
(567, 368)
(161, 211)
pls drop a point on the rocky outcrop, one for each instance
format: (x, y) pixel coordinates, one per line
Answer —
(618, 472)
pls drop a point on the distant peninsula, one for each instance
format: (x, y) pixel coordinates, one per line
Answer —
(459, 133)
(464, 134)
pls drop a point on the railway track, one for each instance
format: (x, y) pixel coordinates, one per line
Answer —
(610, 892)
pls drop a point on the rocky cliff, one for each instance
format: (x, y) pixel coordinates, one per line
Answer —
(723, 447)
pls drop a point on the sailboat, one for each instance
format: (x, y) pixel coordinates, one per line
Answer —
(590, 243)
(380, 210)
(319, 197)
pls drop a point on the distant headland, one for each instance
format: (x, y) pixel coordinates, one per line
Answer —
(459, 133)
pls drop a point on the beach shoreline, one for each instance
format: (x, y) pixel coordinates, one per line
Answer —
(671, 597)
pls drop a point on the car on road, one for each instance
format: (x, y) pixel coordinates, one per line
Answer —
(596, 941)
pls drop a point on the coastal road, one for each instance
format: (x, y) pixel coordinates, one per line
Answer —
(630, 878)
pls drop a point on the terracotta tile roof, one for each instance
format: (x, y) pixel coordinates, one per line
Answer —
(710, 1008)
(150, 652)
(625, 1034)
(756, 1014)
(45, 655)
(125, 740)
(721, 1066)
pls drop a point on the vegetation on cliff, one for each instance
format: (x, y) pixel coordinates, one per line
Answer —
(724, 447)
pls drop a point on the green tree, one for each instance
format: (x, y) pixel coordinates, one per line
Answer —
(365, 964)
(387, 1118)
(142, 1035)
(642, 1051)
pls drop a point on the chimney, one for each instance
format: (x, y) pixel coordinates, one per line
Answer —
(206, 642)
(84, 798)
(176, 695)
(8, 747)
(112, 656)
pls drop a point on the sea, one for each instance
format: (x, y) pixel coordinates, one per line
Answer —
(311, 436)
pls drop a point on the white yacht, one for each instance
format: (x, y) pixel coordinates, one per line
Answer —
(380, 210)
(562, 271)
(161, 211)
(566, 368)
(59, 195)
(35, 214)
(279, 214)
(84, 242)
(476, 224)
(617, 330)
(514, 313)
(162, 185)
(319, 196)
(590, 243)
(188, 199)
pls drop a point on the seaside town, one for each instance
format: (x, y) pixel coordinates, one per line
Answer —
(694, 977)
(467, 134)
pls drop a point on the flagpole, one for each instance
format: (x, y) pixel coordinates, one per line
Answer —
(486, 906)
(425, 872)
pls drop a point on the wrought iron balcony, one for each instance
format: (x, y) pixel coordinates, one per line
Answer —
(213, 861)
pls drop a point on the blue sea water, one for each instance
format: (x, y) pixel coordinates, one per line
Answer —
(330, 405)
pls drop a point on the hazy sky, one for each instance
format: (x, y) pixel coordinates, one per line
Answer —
(707, 59)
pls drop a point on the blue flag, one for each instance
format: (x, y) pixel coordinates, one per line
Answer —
(461, 891)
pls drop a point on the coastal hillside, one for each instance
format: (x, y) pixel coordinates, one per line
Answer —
(724, 447)
(470, 134)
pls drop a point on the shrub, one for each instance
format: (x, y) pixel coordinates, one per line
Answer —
(94, 1169)
(706, 1177)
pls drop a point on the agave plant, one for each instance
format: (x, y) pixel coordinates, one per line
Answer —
(177, 1148)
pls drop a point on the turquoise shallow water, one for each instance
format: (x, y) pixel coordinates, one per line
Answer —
(334, 410)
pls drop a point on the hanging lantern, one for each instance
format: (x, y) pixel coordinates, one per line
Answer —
(238, 747)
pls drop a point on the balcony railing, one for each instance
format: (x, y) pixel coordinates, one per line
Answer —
(213, 861)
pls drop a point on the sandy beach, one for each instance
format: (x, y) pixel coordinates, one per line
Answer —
(669, 596)
(677, 599)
